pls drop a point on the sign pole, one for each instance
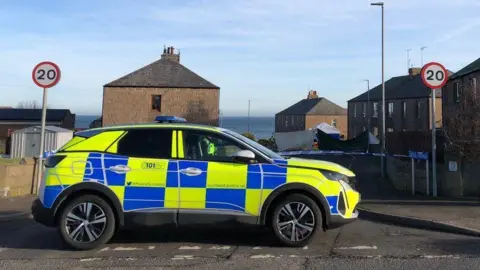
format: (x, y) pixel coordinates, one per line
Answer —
(434, 76)
(42, 139)
(434, 147)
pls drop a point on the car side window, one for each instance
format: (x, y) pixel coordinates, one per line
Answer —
(207, 146)
(146, 143)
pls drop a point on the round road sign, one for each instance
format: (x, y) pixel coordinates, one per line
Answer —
(434, 75)
(46, 74)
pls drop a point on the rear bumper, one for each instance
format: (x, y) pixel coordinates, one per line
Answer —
(41, 214)
(337, 221)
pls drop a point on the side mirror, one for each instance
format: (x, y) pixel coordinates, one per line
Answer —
(244, 156)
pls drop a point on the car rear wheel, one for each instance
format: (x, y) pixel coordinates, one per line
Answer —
(86, 222)
(295, 220)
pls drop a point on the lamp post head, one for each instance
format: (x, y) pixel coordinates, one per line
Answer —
(377, 4)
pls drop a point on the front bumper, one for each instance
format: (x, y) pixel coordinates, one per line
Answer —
(42, 215)
(337, 221)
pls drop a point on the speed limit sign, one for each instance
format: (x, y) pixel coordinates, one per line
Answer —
(434, 75)
(46, 74)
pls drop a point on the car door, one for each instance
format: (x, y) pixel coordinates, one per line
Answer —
(213, 187)
(141, 172)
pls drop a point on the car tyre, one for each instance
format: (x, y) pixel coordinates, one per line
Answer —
(86, 223)
(296, 215)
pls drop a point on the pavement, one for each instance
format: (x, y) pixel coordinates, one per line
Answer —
(15, 207)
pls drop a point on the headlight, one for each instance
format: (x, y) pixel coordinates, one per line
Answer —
(334, 176)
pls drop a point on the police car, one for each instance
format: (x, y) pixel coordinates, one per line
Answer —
(173, 172)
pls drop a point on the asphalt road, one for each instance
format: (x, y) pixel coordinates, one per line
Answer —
(360, 245)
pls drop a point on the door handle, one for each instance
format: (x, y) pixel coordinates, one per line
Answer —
(119, 169)
(191, 171)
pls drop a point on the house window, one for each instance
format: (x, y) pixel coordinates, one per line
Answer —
(334, 123)
(418, 109)
(404, 109)
(375, 131)
(389, 129)
(474, 88)
(456, 92)
(157, 102)
(364, 109)
(390, 109)
(375, 109)
(354, 110)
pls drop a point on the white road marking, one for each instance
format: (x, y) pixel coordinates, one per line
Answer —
(220, 247)
(151, 247)
(187, 247)
(257, 248)
(90, 259)
(305, 247)
(440, 256)
(183, 257)
(358, 247)
(262, 256)
(3, 249)
(126, 248)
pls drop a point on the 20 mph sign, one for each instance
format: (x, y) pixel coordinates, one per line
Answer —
(46, 74)
(434, 75)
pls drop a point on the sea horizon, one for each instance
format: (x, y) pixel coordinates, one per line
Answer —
(262, 127)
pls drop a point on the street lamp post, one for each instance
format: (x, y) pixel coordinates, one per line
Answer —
(421, 53)
(382, 159)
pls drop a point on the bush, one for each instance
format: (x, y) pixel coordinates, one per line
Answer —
(249, 135)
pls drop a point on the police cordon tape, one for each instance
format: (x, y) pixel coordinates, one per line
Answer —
(339, 153)
(318, 152)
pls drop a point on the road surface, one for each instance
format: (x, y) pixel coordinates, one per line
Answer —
(360, 245)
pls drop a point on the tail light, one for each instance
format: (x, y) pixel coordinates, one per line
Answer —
(52, 161)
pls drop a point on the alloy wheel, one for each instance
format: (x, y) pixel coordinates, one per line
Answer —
(85, 222)
(295, 221)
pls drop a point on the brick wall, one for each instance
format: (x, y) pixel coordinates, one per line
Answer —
(315, 120)
(134, 105)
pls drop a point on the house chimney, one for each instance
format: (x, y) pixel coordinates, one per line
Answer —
(169, 54)
(414, 71)
(312, 94)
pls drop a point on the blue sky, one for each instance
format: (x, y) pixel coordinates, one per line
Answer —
(268, 51)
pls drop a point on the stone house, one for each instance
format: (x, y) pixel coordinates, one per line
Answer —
(309, 112)
(164, 87)
(407, 102)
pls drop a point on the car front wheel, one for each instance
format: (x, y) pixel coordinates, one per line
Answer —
(86, 222)
(295, 220)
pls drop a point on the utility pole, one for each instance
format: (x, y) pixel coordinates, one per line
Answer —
(248, 129)
(408, 58)
(368, 103)
(421, 53)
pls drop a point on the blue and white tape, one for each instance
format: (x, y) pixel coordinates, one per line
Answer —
(339, 153)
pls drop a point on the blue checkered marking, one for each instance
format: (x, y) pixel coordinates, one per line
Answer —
(115, 179)
(254, 177)
(143, 197)
(172, 174)
(94, 169)
(137, 205)
(273, 176)
(229, 199)
(50, 194)
(198, 181)
(332, 202)
(281, 161)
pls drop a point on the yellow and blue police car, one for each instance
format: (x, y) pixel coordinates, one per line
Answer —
(173, 172)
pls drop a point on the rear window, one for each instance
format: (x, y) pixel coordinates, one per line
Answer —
(146, 143)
